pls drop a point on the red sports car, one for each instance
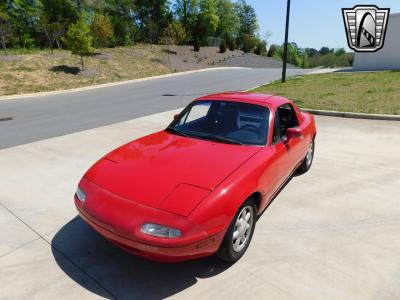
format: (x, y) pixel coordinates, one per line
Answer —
(197, 187)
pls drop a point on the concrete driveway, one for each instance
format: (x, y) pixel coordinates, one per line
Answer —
(330, 234)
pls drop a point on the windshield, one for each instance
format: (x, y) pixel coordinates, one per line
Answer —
(224, 121)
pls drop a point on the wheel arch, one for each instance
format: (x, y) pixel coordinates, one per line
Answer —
(257, 198)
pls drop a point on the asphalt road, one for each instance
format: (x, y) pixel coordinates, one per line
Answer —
(49, 116)
(332, 233)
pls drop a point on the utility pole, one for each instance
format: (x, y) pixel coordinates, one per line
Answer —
(285, 51)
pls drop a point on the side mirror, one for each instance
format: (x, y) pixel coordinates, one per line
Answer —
(176, 116)
(293, 132)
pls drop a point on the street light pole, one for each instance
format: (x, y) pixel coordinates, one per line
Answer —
(285, 51)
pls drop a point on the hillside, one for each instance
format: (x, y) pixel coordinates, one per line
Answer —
(39, 70)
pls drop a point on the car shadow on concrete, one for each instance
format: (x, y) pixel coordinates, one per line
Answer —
(115, 273)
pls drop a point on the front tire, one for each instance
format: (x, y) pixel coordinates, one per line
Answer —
(308, 159)
(240, 232)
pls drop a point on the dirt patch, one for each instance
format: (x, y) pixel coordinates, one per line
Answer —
(103, 56)
(10, 58)
(90, 73)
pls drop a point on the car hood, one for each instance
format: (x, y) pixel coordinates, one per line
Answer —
(165, 166)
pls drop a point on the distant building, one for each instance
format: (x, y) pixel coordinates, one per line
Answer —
(388, 58)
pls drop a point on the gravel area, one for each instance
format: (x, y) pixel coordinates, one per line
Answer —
(184, 59)
(255, 61)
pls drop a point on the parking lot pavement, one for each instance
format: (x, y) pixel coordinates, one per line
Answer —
(332, 233)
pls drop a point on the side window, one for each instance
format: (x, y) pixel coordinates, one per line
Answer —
(277, 135)
(287, 117)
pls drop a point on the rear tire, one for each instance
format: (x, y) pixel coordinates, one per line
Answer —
(240, 232)
(308, 159)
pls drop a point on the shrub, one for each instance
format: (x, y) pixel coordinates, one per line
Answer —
(292, 57)
(305, 63)
(222, 47)
(249, 42)
(196, 45)
(231, 45)
(102, 30)
(261, 48)
(29, 43)
(272, 50)
(331, 60)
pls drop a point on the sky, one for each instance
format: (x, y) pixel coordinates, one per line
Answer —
(313, 23)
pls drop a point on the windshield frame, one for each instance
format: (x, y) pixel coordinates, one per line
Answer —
(205, 136)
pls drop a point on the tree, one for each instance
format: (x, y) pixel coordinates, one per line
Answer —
(101, 29)
(228, 24)
(122, 14)
(24, 16)
(79, 40)
(153, 16)
(4, 26)
(340, 52)
(324, 51)
(248, 24)
(31, 23)
(52, 30)
(311, 52)
(208, 19)
(272, 50)
(60, 11)
(187, 12)
(55, 17)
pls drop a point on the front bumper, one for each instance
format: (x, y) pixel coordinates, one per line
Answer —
(119, 221)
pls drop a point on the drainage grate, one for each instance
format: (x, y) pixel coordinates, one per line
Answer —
(169, 95)
(6, 119)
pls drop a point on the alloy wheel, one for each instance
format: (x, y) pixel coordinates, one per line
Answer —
(243, 228)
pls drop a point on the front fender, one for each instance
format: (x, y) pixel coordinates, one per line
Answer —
(257, 175)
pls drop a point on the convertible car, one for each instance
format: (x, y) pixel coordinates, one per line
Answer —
(198, 187)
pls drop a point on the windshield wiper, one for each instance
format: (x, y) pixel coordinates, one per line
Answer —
(218, 138)
(176, 131)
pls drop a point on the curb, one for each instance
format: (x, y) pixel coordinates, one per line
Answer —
(104, 85)
(352, 115)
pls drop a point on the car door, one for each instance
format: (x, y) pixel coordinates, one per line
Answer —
(281, 152)
(288, 119)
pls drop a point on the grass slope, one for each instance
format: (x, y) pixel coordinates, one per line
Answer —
(366, 92)
(37, 71)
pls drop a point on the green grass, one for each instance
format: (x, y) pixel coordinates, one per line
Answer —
(366, 92)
